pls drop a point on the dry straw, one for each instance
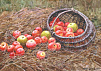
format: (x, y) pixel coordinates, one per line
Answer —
(26, 20)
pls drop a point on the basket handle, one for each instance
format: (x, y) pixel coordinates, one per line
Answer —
(72, 9)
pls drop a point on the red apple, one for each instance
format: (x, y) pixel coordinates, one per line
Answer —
(35, 33)
(51, 23)
(39, 29)
(56, 20)
(69, 30)
(59, 32)
(58, 46)
(12, 55)
(40, 54)
(44, 39)
(55, 27)
(20, 51)
(75, 34)
(29, 37)
(15, 43)
(38, 40)
(10, 48)
(52, 39)
(69, 34)
(16, 34)
(64, 33)
(31, 44)
(26, 35)
(3, 46)
(60, 23)
(52, 46)
(80, 31)
(64, 28)
(59, 28)
(66, 24)
(17, 46)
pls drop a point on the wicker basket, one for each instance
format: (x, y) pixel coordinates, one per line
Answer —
(72, 15)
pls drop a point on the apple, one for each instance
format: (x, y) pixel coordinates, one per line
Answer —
(75, 34)
(38, 40)
(64, 28)
(52, 46)
(26, 35)
(31, 44)
(16, 34)
(46, 33)
(74, 26)
(59, 28)
(69, 34)
(17, 46)
(3, 46)
(51, 23)
(55, 27)
(60, 23)
(15, 43)
(22, 39)
(52, 39)
(58, 46)
(39, 29)
(57, 20)
(59, 32)
(20, 51)
(69, 30)
(66, 24)
(12, 55)
(80, 31)
(35, 33)
(64, 33)
(10, 48)
(41, 55)
(29, 37)
(44, 39)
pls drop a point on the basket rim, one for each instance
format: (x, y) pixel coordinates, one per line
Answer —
(51, 15)
(85, 43)
(69, 9)
(88, 41)
(90, 31)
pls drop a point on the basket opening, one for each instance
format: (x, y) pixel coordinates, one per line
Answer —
(70, 16)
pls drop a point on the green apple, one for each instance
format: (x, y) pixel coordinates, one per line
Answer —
(55, 27)
(22, 39)
(46, 33)
(74, 26)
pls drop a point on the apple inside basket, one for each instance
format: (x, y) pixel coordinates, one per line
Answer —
(70, 27)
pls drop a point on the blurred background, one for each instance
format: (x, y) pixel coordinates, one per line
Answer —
(91, 8)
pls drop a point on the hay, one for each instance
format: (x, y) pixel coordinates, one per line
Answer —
(26, 20)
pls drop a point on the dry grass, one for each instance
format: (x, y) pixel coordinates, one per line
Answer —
(91, 8)
(26, 20)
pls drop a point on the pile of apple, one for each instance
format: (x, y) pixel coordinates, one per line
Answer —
(30, 41)
(66, 29)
